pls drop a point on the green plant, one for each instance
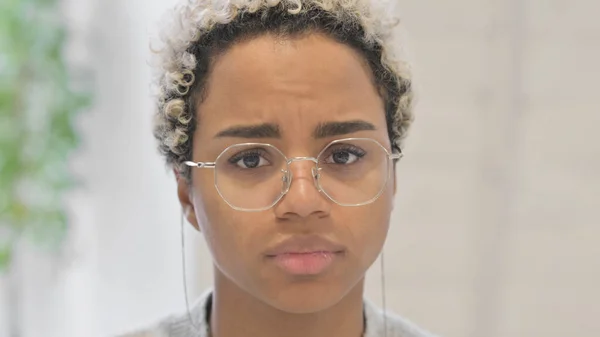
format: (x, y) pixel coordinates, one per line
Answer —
(37, 108)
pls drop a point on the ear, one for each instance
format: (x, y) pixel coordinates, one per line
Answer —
(185, 199)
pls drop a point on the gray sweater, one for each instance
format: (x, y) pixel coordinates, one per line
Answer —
(179, 325)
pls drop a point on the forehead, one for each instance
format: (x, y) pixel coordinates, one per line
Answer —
(295, 83)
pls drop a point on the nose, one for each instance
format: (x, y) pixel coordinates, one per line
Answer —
(303, 198)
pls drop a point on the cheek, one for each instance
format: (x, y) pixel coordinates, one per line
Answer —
(228, 233)
(212, 214)
(368, 227)
(372, 225)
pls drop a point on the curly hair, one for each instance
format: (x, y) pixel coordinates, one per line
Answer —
(199, 30)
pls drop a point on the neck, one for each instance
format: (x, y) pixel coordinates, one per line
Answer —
(236, 313)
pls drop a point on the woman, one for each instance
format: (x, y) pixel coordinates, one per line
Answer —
(283, 121)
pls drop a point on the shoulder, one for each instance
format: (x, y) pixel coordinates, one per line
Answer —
(179, 325)
(377, 322)
(173, 326)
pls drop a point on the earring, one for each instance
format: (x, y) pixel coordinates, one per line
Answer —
(383, 304)
(185, 288)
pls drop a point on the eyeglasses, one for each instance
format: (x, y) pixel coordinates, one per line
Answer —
(255, 176)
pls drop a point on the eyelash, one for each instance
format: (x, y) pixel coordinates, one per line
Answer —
(358, 152)
(349, 148)
(240, 155)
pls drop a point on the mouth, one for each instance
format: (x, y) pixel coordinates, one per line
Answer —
(306, 263)
(305, 255)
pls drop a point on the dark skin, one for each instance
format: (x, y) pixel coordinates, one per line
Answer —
(296, 84)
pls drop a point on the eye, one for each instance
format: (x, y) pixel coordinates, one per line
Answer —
(345, 155)
(249, 159)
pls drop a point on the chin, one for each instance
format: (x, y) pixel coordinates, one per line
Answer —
(306, 296)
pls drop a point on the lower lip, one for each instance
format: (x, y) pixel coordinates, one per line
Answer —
(312, 263)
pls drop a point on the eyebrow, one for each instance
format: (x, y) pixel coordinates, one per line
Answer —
(270, 130)
(265, 130)
(331, 129)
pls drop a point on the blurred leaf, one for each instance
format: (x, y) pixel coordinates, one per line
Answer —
(37, 133)
(5, 257)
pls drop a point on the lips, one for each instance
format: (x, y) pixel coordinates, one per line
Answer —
(305, 255)
(305, 263)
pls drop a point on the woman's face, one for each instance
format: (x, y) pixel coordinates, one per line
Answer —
(296, 85)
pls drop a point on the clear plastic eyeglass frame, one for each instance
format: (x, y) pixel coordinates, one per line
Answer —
(287, 175)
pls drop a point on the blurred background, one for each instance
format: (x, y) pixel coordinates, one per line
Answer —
(496, 230)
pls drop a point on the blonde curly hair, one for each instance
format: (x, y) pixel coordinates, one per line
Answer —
(199, 30)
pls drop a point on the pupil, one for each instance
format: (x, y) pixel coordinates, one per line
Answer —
(341, 157)
(251, 161)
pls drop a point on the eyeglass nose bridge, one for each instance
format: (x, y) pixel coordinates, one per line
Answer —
(295, 159)
(288, 176)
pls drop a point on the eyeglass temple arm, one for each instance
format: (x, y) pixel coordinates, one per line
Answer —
(393, 156)
(200, 164)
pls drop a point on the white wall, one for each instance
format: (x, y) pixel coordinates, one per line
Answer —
(497, 230)
(135, 213)
(122, 265)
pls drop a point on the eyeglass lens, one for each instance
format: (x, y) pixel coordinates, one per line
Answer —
(255, 176)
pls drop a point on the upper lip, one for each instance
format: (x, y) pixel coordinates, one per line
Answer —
(305, 245)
